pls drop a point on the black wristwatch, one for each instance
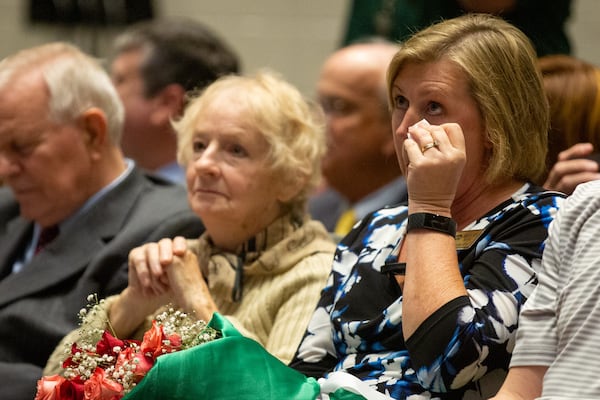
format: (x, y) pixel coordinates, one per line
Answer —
(433, 222)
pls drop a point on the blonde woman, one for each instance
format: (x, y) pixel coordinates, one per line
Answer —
(424, 298)
(251, 147)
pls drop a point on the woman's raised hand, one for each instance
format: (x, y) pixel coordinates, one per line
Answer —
(437, 157)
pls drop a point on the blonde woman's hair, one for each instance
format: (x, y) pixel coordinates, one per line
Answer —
(292, 126)
(500, 66)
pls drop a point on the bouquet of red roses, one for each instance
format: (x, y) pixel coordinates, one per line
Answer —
(111, 367)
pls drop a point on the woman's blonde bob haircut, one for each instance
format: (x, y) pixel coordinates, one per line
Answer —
(500, 65)
(292, 126)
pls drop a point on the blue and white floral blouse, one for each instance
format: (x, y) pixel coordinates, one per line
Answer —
(462, 351)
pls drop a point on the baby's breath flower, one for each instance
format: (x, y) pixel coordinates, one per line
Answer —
(84, 357)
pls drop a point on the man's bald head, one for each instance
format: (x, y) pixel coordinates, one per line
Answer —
(352, 90)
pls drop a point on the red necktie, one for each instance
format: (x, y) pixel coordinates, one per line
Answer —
(47, 235)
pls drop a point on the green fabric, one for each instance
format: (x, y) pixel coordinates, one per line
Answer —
(543, 22)
(233, 367)
(223, 325)
(342, 394)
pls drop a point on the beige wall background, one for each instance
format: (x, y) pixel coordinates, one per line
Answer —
(293, 37)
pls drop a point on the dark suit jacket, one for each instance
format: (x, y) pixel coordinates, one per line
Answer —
(39, 305)
(329, 205)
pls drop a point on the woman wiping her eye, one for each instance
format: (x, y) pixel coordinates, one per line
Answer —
(424, 298)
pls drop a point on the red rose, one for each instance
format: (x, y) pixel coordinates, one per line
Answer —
(56, 387)
(107, 344)
(141, 362)
(69, 361)
(71, 389)
(48, 387)
(157, 343)
(127, 365)
(99, 387)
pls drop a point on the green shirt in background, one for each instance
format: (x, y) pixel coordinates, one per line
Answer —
(544, 22)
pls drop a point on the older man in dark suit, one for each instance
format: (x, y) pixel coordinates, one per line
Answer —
(69, 186)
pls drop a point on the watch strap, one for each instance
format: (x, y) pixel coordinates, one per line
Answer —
(394, 268)
(432, 222)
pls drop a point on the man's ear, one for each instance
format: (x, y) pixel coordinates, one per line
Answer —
(168, 103)
(95, 130)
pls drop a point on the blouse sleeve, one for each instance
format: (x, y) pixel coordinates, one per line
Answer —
(316, 353)
(301, 296)
(474, 334)
(537, 335)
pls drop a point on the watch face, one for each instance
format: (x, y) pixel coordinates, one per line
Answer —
(438, 222)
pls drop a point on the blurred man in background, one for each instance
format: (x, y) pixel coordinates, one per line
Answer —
(360, 166)
(155, 63)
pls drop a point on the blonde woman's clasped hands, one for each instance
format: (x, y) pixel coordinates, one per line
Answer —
(168, 270)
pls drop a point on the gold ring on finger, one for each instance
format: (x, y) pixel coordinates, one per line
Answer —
(429, 146)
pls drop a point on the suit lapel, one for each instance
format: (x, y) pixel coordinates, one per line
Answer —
(51, 267)
(13, 239)
(74, 249)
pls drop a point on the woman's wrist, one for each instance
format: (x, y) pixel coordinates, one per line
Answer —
(201, 305)
(127, 312)
(415, 207)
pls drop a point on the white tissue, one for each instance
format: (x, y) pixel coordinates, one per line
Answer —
(423, 123)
